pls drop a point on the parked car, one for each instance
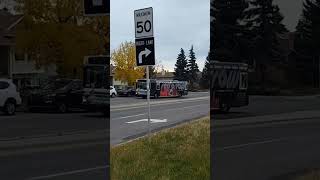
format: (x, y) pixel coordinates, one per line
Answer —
(126, 91)
(113, 92)
(97, 100)
(9, 97)
(59, 94)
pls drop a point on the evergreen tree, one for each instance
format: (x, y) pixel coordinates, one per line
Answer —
(180, 71)
(205, 77)
(308, 29)
(264, 21)
(308, 36)
(227, 33)
(193, 68)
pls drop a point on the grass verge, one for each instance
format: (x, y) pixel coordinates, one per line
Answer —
(182, 152)
(312, 175)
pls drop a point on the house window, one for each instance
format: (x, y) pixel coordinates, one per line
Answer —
(20, 55)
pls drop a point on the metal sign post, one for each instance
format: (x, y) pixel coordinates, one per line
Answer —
(148, 99)
(145, 53)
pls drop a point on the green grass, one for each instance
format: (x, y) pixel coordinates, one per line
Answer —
(313, 175)
(178, 153)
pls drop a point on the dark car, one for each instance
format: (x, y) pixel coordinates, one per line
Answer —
(59, 94)
(126, 91)
(97, 100)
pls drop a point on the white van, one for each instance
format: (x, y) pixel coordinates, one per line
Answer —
(9, 97)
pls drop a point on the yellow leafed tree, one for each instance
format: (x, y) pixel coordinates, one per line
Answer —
(124, 58)
(56, 32)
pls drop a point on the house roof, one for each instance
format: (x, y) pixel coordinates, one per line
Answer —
(165, 75)
(8, 22)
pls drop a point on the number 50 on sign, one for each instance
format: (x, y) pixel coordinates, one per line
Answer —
(143, 19)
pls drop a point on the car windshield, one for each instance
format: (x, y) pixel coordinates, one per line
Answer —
(57, 84)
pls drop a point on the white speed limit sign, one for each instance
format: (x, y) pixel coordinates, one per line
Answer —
(143, 19)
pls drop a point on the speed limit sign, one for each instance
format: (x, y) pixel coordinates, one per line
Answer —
(143, 19)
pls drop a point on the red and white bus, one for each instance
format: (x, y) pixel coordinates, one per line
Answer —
(229, 84)
(161, 88)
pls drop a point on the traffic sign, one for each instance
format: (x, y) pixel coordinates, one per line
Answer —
(96, 7)
(98, 59)
(145, 55)
(143, 19)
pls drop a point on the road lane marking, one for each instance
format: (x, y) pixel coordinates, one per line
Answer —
(126, 117)
(155, 103)
(68, 173)
(250, 144)
(146, 120)
(137, 115)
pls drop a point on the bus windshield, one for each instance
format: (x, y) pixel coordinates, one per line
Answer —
(141, 85)
(95, 77)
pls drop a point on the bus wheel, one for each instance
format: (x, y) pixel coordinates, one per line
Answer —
(156, 96)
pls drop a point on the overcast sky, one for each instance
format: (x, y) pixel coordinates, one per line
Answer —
(177, 24)
(291, 9)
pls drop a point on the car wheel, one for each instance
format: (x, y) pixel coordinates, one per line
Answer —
(62, 108)
(10, 108)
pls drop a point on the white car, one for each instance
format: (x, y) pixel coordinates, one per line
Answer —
(113, 92)
(9, 97)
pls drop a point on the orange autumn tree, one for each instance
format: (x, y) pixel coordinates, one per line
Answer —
(124, 58)
(56, 32)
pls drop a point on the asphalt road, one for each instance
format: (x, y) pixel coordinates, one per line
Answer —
(82, 161)
(270, 150)
(129, 114)
(59, 163)
(265, 105)
(49, 123)
(258, 152)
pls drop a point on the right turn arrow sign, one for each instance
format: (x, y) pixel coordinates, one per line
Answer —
(146, 52)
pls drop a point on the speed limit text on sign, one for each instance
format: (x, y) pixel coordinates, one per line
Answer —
(143, 19)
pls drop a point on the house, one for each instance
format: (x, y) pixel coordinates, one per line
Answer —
(165, 75)
(113, 80)
(7, 42)
(15, 64)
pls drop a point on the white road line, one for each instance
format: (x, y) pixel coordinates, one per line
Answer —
(175, 109)
(68, 173)
(126, 117)
(146, 120)
(155, 103)
(250, 144)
